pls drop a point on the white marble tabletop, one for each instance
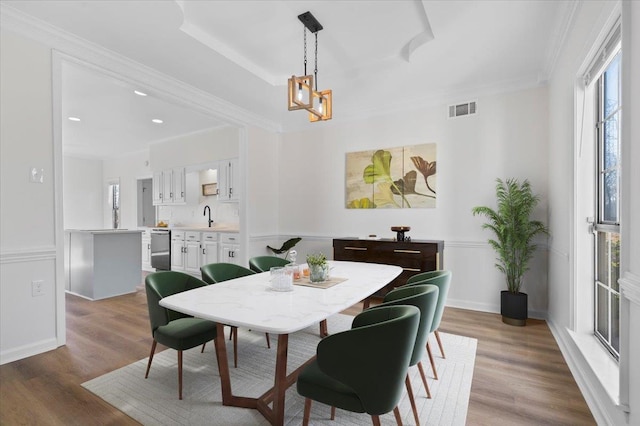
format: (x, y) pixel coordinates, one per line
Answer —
(251, 303)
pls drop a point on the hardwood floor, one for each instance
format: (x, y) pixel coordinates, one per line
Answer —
(520, 377)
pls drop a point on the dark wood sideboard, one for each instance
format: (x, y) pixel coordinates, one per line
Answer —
(413, 256)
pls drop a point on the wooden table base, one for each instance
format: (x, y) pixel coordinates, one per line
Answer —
(274, 396)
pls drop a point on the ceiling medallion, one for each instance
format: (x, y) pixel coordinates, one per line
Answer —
(302, 94)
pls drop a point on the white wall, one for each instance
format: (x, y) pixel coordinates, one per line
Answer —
(28, 221)
(264, 161)
(196, 148)
(507, 138)
(83, 199)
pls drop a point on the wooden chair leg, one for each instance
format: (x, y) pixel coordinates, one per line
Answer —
(433, 363)
(396, 413)
(333, 412)
(307, 412)
(230, 332)
(268, 341)
(439, 343)
(324, 331)
(153, 350)
(235, 346)
(376, 420)
(424, 379)
(412, 400)
(203, 345)
(180, 374)
(366, 303)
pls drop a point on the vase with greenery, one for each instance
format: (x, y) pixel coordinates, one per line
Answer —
(514, 234)
(318, 267)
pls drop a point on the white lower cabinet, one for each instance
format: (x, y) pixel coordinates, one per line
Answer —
(185, 252)
(230, 249)
(191, 249)
(146, 251)
(209, 246)
(177, 250)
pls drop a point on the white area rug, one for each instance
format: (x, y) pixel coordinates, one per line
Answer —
(154, 401)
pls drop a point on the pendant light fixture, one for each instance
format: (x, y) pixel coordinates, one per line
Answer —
(303, 91)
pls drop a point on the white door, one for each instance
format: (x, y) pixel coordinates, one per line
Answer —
(223, 180)
(158, 186)
(209, 253)
(177, 255)
(230, 253)
(234, 180)
(192, 257)
(178, 176)
(167, 186)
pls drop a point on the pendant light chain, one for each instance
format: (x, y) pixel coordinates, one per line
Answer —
(316, 70)
(305, 50)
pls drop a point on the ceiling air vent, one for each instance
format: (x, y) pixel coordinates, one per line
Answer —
(462, 109)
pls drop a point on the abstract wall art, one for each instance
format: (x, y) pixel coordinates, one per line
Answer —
(401, 177)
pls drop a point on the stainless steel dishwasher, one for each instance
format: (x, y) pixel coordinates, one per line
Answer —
(161, 249)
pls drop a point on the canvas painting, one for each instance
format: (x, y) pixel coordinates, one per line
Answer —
(402, 177)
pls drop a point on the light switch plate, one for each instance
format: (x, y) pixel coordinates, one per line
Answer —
(36, 175)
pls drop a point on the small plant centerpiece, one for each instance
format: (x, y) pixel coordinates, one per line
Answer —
(514, 232)
(318, 267)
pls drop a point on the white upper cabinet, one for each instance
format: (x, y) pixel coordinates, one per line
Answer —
(228, 180)
(169, 187)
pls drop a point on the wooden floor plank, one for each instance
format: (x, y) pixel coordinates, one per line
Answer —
(520, 377)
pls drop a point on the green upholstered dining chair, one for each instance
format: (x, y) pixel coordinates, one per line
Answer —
(218, 272)
(426, 275)
(170, 328)
(363, 369)
(264, 263)
(442, 281)
(425, 298)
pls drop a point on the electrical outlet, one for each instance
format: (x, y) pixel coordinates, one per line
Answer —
(37, 288)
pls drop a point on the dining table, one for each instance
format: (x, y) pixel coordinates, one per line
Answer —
(251, 302)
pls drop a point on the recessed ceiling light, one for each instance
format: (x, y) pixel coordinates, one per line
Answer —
(139, 93)
(74, 119)
(157, 121)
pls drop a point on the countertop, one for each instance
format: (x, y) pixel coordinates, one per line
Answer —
(214, 228)
(106, 231)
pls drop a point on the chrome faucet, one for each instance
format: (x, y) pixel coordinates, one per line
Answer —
(205, 213)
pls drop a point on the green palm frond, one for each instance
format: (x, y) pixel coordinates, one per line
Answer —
(514, 230)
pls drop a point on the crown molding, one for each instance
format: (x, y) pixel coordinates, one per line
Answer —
(567, 15)
(83, 52)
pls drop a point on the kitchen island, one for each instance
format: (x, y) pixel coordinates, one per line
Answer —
(101, 263)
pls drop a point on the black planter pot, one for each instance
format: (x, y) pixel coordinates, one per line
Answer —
(513, 308)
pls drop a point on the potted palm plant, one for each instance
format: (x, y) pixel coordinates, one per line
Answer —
(514, 232)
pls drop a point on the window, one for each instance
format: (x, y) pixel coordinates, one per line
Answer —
(607, 223)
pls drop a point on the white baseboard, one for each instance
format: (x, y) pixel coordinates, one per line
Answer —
(487, 307)
(21, 352)
(604, 411)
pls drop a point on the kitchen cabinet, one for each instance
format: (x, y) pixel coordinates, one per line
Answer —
(169, 187)
(185, 252)
(230, 248)
(209, 248)
(146, 251)
(228, 180)
(177, 250)
(414, 256)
